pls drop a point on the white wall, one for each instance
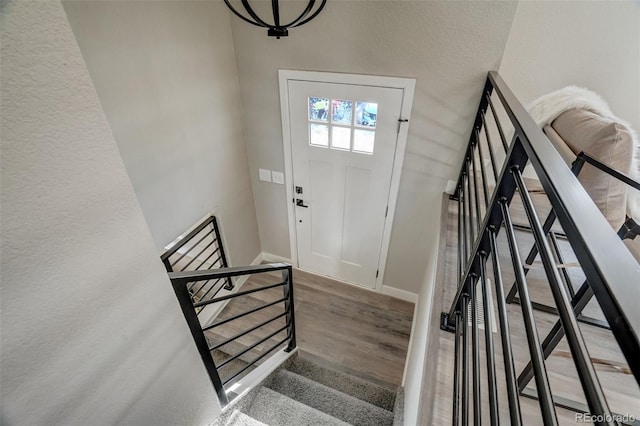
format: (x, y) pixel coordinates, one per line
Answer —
(166, 77)
(422, 327)
(91, 331)
(447, 46)
(591, 44)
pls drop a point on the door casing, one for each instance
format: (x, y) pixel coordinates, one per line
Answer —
(408, 87)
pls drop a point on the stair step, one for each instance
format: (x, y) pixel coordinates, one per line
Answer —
(238, 418)
(331, 401)
(273, 408)
(345, 383)
(398, 408)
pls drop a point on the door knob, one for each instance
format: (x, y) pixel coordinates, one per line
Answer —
(300, 203)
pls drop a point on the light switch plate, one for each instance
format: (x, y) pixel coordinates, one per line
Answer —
(277, 177)
(265, 175)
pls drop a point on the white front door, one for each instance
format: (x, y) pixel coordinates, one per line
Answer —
(343, 143)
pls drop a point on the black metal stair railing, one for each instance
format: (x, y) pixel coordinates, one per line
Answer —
(201, 248)
(484, 195)
(284, 333)
(198, 269)
(629, 230)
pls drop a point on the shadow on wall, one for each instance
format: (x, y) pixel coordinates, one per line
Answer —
(431, 153)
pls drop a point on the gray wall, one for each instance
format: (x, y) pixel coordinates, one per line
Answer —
(166, 77)
(590, 44)
(91, 331)
(447, 46)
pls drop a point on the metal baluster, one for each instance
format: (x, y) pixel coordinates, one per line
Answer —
(475, 343)
(253, 362)
(586, 372)
(461, 259)
(456, 374)
(542, 381)
(465, 362)
(578, 302)
(488, 339)
(197, 256)
(223, 255)
(505, 335)
(470, 201)
(465, 235)
(483, 172)
(287, 277)
(490, 145)
(195, 292)
(461, 266)
(498, 125)
(207, 258)
(475, 189)
(191, 248)
(576, 167)
(215, 293)
(247, 349)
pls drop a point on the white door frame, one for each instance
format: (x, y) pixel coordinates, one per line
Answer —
(408, 87)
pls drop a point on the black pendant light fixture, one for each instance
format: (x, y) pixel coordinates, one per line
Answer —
(277, 30)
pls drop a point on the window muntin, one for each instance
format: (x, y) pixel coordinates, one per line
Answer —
(333, 123)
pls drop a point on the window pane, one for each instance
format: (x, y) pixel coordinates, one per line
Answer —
(363, 140)
(319, 134)
(366, 114)
(341, 137)
(318, 109)
(341, 111)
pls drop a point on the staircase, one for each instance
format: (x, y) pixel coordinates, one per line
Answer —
(300, 392)
(249, 347)
(491, 251)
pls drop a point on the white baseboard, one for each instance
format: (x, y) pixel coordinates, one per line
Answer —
(411, 336)
(268, 257)
(399, 294)
(209, 313)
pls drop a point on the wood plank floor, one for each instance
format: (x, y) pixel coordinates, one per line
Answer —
(620, 388)
(340, 326)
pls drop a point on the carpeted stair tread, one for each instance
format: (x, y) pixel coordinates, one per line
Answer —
(345, 383)
(238, 418)
(273, 408)
(398, 408)
(328, 400)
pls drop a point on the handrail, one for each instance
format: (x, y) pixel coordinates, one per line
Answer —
(181, 281)
(612, 273)
(612, 267)
(212, 274)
